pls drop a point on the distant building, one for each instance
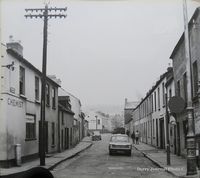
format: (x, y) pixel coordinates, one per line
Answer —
(65, 123)
(98, 121)
(20, 107)
(78, 115)
(128, 111)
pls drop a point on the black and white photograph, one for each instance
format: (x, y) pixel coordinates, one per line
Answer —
(100, 88)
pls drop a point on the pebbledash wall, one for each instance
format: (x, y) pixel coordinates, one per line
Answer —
(20, 113)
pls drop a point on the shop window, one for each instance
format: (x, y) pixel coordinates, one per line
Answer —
(30, 127)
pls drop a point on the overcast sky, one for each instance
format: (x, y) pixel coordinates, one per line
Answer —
(105, 50)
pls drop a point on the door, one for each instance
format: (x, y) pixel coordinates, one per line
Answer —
(68, 138)
(62, 135)
(65, 138)
(157, 132)
(162, 134)
(46, 136)
(178, 139)
(175, 151)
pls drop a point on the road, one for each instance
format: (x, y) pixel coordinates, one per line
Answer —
(97, 163)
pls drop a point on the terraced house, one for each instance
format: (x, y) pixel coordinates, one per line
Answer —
(148, 117)
(20, 107)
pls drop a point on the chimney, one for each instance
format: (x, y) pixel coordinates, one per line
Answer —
(57, 80)
(15, 45)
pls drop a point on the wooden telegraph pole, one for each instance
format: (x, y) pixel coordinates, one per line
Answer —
(44, 14)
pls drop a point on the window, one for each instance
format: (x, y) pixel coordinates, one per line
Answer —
(159, 98)
(178, 89)
(185, 130)
(47, 95)
(155, 100)
(21, 81)
(153, 129)
(185, 86)
(163, 93)
(53, 98)
(37, 90)
(53, 132)
(62, 115)
(30, 127)
(98, 121)
(195, 78)
(170, 93)
(152, 103)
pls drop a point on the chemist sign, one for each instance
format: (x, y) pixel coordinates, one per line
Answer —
(15, 102)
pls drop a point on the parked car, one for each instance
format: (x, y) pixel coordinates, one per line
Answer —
(96, 135)
(120, 143)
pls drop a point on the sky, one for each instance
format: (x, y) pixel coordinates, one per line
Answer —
(105, 50)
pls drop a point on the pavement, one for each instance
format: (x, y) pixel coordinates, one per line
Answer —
(51, 162)
(178, 166)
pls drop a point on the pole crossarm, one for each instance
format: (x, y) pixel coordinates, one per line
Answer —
(45, 13)
(43, 9)
(42, 16)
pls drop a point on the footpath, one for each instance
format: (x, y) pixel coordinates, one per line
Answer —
(51, 161)
(178, 166)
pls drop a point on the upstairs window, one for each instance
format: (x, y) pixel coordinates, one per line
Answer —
(47, 95)
(37, 89)
(158, 98)
(163, 93)
(185, 86)
(21, 81)
(53, 98)
(155, 100)
(195, 78)
(178, 89)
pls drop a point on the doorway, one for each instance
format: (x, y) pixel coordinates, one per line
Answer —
(162, 134)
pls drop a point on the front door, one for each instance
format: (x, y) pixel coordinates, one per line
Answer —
(46, 136)
(178, 139)
(157, 132)
(162, 134)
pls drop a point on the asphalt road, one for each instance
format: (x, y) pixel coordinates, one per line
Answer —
(96, 162)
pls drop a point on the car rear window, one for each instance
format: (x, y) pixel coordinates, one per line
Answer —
(119, 139)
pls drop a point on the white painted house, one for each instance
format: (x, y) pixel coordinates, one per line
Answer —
(20, 107)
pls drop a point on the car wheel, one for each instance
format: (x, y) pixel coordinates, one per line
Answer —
(110, 152)
(129, 153)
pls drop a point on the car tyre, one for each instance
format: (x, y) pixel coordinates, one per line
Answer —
(129, 153)
(110, 152)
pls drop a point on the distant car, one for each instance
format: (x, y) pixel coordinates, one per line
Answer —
(120, 143)
(96, 135)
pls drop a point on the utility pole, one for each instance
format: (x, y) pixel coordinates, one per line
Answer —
(96, 122)
(45, 15)
(191, 144)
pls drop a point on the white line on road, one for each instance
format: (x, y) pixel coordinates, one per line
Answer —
(115, 168)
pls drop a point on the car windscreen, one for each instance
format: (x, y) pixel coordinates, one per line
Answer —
(119, 139)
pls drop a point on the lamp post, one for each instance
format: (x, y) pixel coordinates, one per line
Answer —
(96, 122)
(167, 129)
(191, 146)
